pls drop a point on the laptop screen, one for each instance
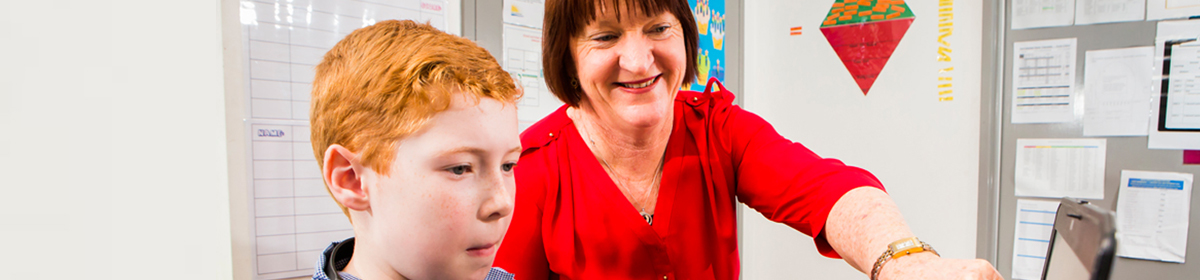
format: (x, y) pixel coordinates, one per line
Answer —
(1063, 263)
(1082, 242)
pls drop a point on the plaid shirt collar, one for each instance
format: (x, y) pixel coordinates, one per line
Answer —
(338, 256)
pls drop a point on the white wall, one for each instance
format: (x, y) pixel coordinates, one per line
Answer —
(924, 151)
(112, 140)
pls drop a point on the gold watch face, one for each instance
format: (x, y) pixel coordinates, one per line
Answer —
(906, 246)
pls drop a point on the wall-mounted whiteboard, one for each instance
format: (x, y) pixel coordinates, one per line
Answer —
(292, 218)
(917, 128)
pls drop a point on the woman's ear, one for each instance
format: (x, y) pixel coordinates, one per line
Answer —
(343, 172)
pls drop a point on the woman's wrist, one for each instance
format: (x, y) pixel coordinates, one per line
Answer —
(899, 266)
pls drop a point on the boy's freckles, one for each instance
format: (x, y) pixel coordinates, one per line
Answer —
(449, 208)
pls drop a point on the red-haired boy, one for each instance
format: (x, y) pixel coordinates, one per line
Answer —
(416, 134)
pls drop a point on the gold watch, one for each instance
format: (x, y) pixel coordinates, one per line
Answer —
(900, 248)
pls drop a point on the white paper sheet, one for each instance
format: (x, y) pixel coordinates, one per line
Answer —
(1042, 13)
(1035, 221)
(1043, 81)
(1166, 9)
(1060, 167)
(1183, 99)
(523, 60)
(1152, 215)
(1103, 11)
(1172, 31)
(1117, 91)
(526, 13)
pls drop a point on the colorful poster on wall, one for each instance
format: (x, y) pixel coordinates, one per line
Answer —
(864, 33)
(710, 22)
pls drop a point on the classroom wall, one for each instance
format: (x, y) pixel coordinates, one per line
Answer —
(925, 151)
(112, 140)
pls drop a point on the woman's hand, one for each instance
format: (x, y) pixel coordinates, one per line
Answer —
(865, 220)
(929, 266)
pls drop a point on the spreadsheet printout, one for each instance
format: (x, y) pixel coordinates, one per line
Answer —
(1105, 11)
(1056, 168)
(1042, 13)
(1043, 81)
(1152, 215)
(293, 218)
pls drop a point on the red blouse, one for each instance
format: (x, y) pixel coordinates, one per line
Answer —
(572, 222)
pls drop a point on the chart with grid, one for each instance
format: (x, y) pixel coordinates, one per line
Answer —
(294, 218)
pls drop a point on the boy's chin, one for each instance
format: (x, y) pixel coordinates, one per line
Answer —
(478, 264)
(478, 273)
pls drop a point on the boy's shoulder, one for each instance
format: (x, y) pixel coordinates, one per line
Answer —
(335, 258)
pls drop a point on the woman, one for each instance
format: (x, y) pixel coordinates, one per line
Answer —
(635, 179)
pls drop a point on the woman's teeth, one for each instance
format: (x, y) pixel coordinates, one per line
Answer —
(640, 85)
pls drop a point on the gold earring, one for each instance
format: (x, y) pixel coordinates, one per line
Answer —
(575, 83)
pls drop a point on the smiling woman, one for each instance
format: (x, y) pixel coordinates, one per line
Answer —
(568, 20)
(633, 179)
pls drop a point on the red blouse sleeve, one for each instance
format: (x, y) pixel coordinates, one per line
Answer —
(781, 179)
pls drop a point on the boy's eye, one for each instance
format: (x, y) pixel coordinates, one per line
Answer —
(459, 170)
(508, 167)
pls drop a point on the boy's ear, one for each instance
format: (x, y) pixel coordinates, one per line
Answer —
(343, 174)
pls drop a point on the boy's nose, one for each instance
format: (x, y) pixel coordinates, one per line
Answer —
(500, 200)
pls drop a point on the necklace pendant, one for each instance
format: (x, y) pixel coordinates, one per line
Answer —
(649, 218)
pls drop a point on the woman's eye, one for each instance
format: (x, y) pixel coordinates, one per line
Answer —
(508, 167)
(459, 170)
(604, 38)
(660, 29)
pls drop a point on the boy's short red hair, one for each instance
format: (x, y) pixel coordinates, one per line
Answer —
(383, 82)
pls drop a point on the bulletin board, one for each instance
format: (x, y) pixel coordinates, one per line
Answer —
(1122, 152)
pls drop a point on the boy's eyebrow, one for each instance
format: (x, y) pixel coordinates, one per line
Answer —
(474, 150)
(462, 149)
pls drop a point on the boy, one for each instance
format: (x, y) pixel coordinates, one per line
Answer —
(415, 131)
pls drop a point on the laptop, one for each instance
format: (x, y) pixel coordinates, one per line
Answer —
(1082, 244)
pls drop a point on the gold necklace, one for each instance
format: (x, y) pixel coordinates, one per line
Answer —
(653, 183)
(657, 173)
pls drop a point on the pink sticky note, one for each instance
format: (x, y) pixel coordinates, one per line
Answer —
(1191, 157)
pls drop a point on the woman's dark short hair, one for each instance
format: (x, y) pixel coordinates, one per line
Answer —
(567, 18)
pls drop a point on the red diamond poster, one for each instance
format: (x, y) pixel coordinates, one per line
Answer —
(864, 33)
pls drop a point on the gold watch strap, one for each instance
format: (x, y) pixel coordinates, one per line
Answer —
(892, 253)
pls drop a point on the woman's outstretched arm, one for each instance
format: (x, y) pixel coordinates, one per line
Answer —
(865, 220)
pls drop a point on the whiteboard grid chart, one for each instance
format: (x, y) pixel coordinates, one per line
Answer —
(293, 217)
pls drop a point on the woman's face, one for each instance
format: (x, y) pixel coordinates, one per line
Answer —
(630, 69)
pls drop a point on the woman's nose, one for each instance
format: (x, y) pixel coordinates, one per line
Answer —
(636, 55)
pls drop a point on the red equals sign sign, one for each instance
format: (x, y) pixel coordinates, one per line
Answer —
(795, 31)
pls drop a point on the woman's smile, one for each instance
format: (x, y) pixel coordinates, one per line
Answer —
(639, 86)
